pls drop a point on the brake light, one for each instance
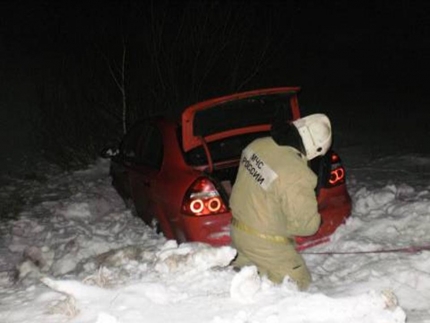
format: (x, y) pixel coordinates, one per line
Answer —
(334, 158)
(337, 171)
(337, 176)
(202, 198)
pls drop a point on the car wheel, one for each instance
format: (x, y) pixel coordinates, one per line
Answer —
(152, 222)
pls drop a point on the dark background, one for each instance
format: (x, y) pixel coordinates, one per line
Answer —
(365, 64)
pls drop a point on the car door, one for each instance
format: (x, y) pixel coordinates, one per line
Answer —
(144, 170)
(122, 163)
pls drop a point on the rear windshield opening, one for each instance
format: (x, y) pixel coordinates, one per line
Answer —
(221, 150)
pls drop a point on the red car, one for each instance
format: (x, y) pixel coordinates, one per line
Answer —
(178, 174)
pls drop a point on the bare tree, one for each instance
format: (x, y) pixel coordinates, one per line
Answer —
(156, 58)
(118, 73)
(196, 49)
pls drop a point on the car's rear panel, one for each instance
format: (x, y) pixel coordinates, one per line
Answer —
(334, 202)
(333, 199)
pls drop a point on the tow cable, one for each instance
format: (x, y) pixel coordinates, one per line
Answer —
(412, 249)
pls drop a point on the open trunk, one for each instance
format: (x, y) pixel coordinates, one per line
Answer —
(237, 114)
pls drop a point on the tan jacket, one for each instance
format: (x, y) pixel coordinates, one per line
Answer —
(273, 197)
(274, 191)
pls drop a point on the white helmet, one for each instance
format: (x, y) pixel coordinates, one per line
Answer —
(315, 131)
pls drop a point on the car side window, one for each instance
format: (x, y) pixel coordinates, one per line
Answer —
(150, 150)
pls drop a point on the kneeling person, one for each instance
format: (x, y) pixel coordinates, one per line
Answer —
(273, 199)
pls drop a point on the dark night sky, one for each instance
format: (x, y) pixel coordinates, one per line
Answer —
(349, 44)
(360, 56)
(380, 48)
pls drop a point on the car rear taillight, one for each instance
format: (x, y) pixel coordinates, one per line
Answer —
(337, 171)
(202, 198)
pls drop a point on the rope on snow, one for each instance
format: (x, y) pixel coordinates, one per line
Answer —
(411, 249)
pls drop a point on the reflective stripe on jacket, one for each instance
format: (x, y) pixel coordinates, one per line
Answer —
(246, 228)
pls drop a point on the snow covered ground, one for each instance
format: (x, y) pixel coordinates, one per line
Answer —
(75, 254)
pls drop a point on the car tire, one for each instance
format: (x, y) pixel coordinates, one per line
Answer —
(154, 223)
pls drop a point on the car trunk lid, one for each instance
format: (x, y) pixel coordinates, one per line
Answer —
(240, 113)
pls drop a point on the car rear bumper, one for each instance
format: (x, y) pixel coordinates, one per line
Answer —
(212, 229)
(335, 207)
